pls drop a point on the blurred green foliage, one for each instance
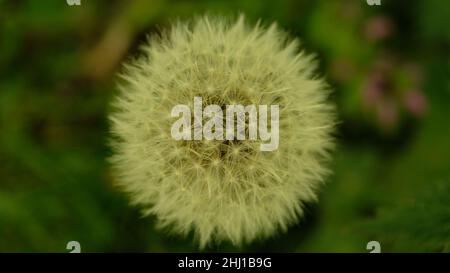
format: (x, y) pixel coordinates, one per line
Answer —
(389, 67)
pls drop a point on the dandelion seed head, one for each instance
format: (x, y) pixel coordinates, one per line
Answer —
(221, 190)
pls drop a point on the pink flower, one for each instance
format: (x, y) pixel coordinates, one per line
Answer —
(416, 103)
(374, 89)
(378, 28)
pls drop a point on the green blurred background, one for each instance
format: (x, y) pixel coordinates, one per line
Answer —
(389, 66)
